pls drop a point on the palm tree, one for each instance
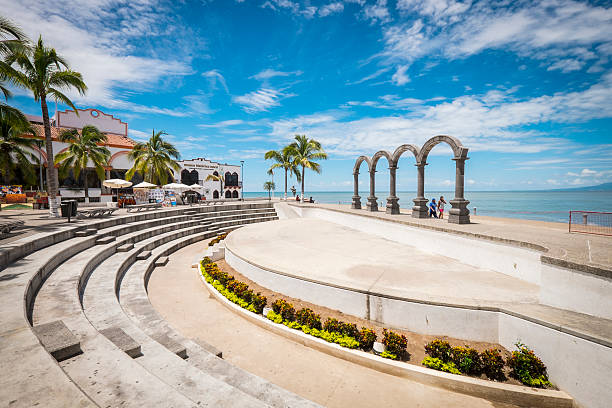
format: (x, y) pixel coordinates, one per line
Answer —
(84, 148)
(286, 161)
(16, 151)
(306, 151)
(219, 178)
(46, 74)
(11, 38)
(269, 186)
(154, 159)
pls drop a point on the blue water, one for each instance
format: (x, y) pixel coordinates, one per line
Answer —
(532, 205)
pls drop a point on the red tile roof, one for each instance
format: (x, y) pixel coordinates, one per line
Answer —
(112, 140)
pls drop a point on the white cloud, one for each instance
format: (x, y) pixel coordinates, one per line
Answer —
(492, 122)
(377, 12)
(547, 30)
(331, 8)
(260, 100)
(400, 78)
(94, 36)
(587, 172)
(271, 73)
(215, 76)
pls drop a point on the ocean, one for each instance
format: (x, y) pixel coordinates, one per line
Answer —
(551, 206)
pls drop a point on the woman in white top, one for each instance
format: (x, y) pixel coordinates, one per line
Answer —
(441, 203)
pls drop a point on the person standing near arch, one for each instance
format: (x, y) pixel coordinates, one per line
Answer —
(432, 209)
(441, 203)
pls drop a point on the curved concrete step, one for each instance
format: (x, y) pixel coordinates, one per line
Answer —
(103, 310)
(136, 305)
(103, 372)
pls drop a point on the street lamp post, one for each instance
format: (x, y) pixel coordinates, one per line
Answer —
(242, 176)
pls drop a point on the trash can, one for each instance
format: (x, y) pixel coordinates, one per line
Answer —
(65, 209)
(75, 205)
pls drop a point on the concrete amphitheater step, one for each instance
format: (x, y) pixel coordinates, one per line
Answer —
(137, 306)
(86, 232)
(35, 377)
(103, 372)
(102, 308)
(60, 342)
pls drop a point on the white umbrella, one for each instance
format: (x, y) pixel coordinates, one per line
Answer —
(144, 184)
(116, 183)
(176, 186)
(195, 187)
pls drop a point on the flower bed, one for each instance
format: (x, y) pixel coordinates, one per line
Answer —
(524, 365)
(217, 239)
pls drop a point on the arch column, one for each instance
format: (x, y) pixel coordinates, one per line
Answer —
(372, 203)
(420, 202)
(356, 205)
(392, 200)
(459, 214)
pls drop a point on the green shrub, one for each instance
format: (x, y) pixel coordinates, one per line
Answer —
(395, 343)
(217, 239)
(205, 261)
(285, 309)
(258, 301)
(438, 364)
(350, 330)
(275, 317)
(439, 349)
(241, 290)
(492, 364)
(466, 359)
(307, 317)
(526, 367)
(386, 354)
(367, 337)
(333, 325)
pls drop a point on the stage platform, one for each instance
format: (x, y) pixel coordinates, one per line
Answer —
(317, 250)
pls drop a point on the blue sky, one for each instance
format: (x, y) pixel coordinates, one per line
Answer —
(527, 86)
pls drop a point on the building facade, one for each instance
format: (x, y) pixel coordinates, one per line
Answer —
(195, 171)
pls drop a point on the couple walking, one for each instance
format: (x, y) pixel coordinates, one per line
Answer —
(437, 210)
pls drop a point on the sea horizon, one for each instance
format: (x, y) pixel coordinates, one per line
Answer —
(539, 205)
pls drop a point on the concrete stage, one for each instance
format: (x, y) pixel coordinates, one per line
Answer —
(319, 250)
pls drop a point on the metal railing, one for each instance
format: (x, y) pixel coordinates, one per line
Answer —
(590, 222)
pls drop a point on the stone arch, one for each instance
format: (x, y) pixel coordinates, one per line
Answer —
(458, 150)
(403, 149)
(356, 204)
(377, 156)
(372, 199)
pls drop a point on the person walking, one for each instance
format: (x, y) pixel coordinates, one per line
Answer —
(432, 209)
(441, 203)
(293, 190)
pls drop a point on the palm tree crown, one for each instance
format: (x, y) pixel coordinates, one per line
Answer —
(46, 74)
(215, 177)
(284, 159)
(305, 151)
(154, 159)
(84, 148)
(15, 150)
(11, 38)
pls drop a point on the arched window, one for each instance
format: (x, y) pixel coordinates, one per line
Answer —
(228, 178)
(194, 177)
(228, 194)
(235, 177)
(215, 194)
(235, 194)
(185, 177)
(215, 173)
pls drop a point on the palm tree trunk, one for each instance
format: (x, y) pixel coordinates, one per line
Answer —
(51, 175)
(86, 186)
(303, 171)
(285, 184)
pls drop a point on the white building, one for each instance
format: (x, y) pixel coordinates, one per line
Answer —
(195, 171)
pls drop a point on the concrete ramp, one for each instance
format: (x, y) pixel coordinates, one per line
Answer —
(285, 211)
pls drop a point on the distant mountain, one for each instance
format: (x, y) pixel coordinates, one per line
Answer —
(599, 187)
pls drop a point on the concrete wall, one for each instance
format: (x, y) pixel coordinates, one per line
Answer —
(103, 121)
(575, 290)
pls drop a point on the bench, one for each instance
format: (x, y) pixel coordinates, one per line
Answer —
(143, 207)
(59, 341)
